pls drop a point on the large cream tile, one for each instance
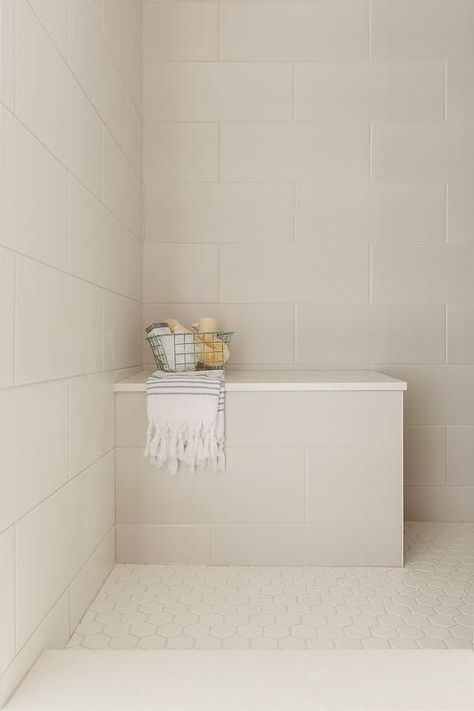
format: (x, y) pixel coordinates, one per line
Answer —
(130, 419)
(460, 90)
(57, 538)
(45, 562)
(439, 503)
(294, 151)
(33, 459)
(180, 273)
(122, 187)
(122, 27)
(386, 212)
(122, 333)
(218, 212)
(7, 53)
(54, 16)
(92, 503)
(461, 212)
(423, 273)
(212, 91)
(427, 152)
(94, 67)
(425, 456)
(266, 419)
(260, 485)
(325, 544)
(180, 30)
(355, 485)
(102, 249)
(34, 196)
(263, 332)
(58, 324)
(314, 419)
(437, 395)
(370, 91)
(146, 495)
(461, 456)
(7, 281)
(92, 419)
(410, 29)
(7, 598)
(52, 633)
(331, 273)
(64, 119)
(90, 578)
(180, 151)
(294, 30)
(460, 333)
(362, 334)
(164, 544)
(133, 138)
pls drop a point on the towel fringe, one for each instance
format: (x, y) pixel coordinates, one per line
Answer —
(198, 448)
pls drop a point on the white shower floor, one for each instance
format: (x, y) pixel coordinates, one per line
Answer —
(426, 605)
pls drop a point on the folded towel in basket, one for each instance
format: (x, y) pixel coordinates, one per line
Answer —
(186, 419)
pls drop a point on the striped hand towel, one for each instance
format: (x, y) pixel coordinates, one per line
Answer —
(186, 419)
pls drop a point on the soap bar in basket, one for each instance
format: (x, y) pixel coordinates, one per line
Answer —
(162, 329)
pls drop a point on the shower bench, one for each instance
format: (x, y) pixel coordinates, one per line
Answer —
(314, 476)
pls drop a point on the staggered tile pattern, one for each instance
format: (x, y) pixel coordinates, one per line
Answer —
(429, 604)
(309, 175)
(70, 304)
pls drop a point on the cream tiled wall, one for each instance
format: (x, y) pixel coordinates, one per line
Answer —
(309, 179)
(317, 482)
(70, 304)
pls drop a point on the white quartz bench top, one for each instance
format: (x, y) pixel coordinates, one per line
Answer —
(267, 380)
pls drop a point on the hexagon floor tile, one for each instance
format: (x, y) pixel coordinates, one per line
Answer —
(428, 604)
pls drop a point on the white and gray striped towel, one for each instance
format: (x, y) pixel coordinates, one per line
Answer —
(186, 419)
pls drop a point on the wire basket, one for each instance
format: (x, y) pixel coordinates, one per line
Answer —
(180, 352)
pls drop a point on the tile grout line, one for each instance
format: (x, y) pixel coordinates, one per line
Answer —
(63, 591)
(68, 481)
(72, 174)
(74, 276)
(91, 103)
(32, 383)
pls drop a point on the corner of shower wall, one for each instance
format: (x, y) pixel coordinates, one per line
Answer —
(70, 305)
